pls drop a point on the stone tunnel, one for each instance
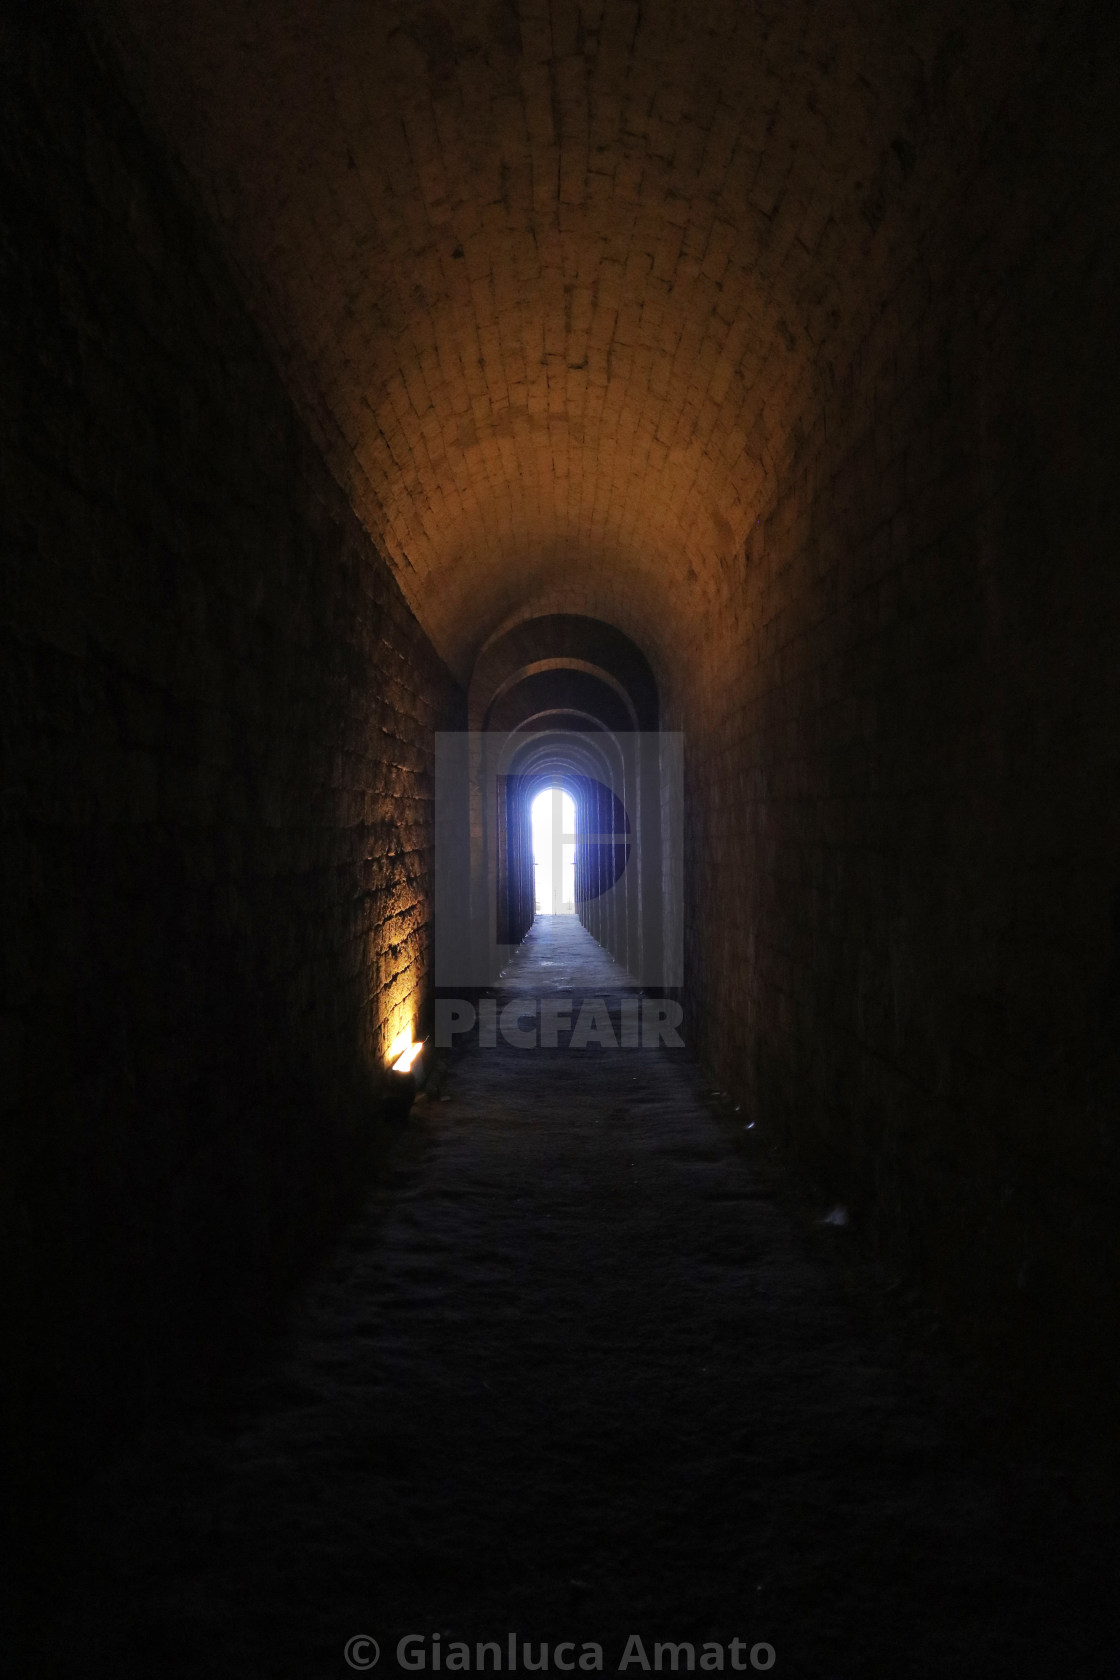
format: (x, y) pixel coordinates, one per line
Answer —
(709, 413)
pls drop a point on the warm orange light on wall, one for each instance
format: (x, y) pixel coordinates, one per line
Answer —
(403, 1051)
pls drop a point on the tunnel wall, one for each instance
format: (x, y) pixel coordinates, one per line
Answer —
(516, 884)
(904, 752)
(217, 718)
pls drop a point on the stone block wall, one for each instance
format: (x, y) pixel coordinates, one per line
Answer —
(904, 740)
(217, 777)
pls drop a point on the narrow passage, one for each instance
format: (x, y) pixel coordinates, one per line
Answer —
(577, 1376)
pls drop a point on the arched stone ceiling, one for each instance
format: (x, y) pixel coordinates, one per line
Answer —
(546, 694)
(554, 281)
(566, 645)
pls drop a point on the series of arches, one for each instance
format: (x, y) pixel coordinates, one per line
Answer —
(569, 702)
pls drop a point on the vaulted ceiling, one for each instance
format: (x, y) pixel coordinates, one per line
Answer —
(554, 282)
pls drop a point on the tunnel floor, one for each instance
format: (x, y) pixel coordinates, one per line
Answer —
(578, 1374)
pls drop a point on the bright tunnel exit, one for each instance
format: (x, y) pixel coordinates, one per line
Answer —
(554, 851)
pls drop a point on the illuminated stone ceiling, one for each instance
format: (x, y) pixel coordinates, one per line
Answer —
(554, 283)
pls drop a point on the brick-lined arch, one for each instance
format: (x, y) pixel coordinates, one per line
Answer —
(558, 643)
(777, 338)
(556, 282)
(574, 687)
(562, 690)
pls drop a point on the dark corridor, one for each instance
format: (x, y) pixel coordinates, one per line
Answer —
(578, 1375)
(709, 410)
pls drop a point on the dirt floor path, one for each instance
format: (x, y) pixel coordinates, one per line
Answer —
(576, 1376)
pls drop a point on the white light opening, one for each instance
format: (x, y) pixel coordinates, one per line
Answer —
(554, 851)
